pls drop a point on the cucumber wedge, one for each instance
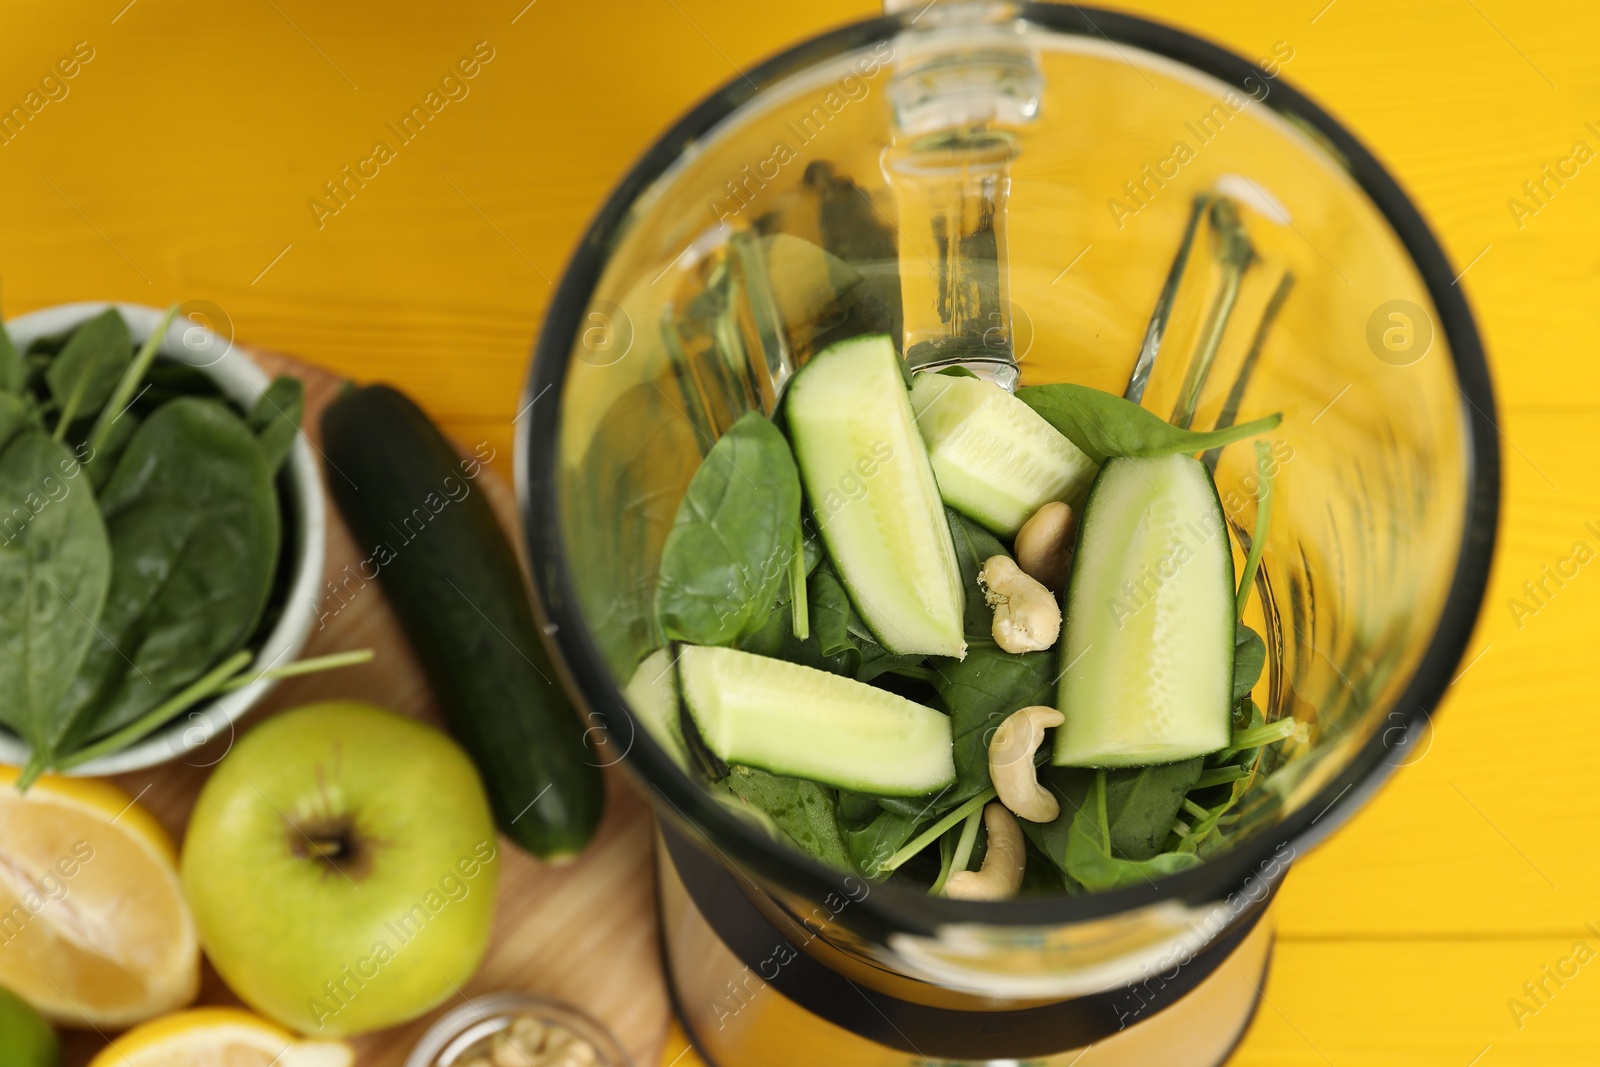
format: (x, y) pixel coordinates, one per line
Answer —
(1147, 656)
(652, 693)
(806, 723)
(997, 460)
(865, 473)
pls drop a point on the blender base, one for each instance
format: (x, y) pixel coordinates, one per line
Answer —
(735, 1019)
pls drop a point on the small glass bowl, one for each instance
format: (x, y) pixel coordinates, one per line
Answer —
(448, 1040)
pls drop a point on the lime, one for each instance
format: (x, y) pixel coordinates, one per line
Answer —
(26, 1040)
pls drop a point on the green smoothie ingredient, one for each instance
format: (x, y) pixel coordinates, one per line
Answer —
(451, 574)
(1020, 664)
(141, 538)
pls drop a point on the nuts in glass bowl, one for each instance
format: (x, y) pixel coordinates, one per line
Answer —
(530, 1042)
(516, 1030)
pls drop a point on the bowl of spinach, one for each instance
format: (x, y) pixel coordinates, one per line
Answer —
(161, 537)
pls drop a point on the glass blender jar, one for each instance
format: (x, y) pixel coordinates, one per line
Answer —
(1038, 193)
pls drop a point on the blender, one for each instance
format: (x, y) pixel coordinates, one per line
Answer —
(1036, 193)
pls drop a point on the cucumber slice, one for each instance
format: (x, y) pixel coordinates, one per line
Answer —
(652, 693)
(1148, 652)
(866, 476)
(997, 460)
(807, 723)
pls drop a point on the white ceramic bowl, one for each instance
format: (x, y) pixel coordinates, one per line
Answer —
(188, 341)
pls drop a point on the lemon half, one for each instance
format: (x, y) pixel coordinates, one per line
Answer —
(218, 1037)
(94, 931)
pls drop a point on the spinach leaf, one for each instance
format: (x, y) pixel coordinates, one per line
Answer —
(875, 659)
(803, 810)
(116, 423)
(275, 418)
(1040, 875)
(86, 371)
(15, 416)
(1114, 824)
(838, 642)
(841, 636)
(1089, 859)
(194, 527)
(875, 828)
(55, 566)
(1071, 786)
(1091, 866)
(810, 548)
(1249, 657)
(979, 692)
(1104, 425)
(42, 349)
(870, 846)
(726, 557)
(830, 610)
(168, 379)
(856, 809)
(1142, 802)
(926, 806)
(974, 545)
(101, 463)
(776, 639)
(13, 370)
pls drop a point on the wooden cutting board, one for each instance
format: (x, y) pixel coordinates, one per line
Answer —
(585, 933)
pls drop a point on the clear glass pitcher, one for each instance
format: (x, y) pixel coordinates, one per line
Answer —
(1040, 193)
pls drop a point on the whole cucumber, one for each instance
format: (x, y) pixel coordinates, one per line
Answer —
(441, 556)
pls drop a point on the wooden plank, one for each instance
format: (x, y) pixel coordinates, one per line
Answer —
(1425, 1003)
(1406, 1004)
(1487, 824)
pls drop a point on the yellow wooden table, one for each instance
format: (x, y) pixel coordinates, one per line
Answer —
(179, 159)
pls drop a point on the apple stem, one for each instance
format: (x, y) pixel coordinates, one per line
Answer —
(328, 849)
(329, 841)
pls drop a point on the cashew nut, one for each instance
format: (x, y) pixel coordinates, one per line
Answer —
(529, 1034)
(1044, 546)
(531, 1043)
(1011, 763)
(1026, 615)
(1001, 874)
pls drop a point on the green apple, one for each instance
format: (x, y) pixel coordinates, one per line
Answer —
(341, 866)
